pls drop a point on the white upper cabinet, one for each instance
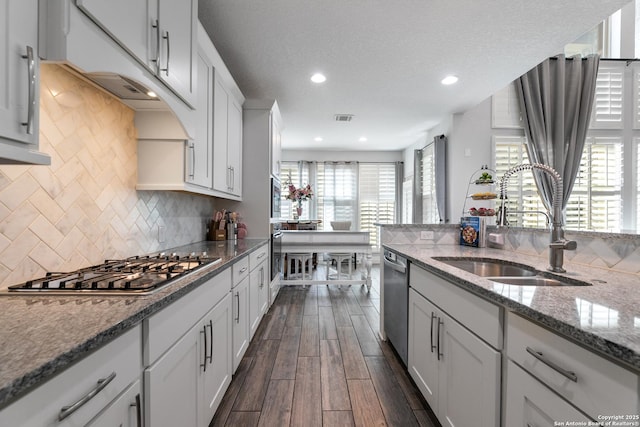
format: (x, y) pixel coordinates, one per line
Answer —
(200, 149)
(160, 34)
(227, 139)
(19, 87)
(211, 162)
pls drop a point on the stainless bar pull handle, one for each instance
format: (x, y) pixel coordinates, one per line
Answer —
(65, 411)
(238, 311)
(156, 25)
(166, 37)
(262, 255)
(243, 269)
(433, 316)
(440, 322)
(203, 365)
(538, 355)
(210, 341)
(261, 277)
(192, 173)
(31, 76)
(138, 407)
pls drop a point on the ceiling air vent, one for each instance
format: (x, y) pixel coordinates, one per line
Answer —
(343, 117)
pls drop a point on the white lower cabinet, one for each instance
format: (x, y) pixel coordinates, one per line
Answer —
(241, 336)
(188, 356)
(530, 403)
(451, 365)
(570, 375)
(185, 386)
(259, 286)
(97, 389)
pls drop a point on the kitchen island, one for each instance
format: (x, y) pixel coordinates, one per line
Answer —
(520, 355)
(43, 335)
(615, 296)
(336, 241)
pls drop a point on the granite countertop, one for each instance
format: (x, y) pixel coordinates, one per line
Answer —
(43, 335)
(604, 317)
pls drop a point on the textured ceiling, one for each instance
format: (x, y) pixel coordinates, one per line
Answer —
(384, 59)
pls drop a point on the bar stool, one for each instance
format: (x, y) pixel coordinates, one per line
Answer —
(339, 258)
(299, 264)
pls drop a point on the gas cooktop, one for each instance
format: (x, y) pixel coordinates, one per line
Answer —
(139, 275)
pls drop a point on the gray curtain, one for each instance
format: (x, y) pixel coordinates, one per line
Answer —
(440, 153)
(556, 99)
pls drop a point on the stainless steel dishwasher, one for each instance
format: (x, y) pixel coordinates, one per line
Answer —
(396, 302)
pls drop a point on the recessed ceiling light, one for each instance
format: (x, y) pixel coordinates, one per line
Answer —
(449, 80)
(152, 94)
(318, 78)
(318, 139)
(363, 139)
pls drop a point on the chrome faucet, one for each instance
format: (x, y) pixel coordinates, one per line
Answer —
(558, 243)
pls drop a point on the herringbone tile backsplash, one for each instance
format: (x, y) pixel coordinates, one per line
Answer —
(84, 208)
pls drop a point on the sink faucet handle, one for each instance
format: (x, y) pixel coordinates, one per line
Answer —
(569, 245)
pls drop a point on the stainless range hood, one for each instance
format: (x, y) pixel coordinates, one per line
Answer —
(122, 87)
(69, 38)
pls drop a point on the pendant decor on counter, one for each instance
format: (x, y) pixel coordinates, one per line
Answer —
(297, 195)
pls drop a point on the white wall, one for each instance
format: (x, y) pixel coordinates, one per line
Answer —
(469, 147)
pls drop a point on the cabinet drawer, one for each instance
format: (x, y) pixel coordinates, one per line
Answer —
(240, 270)
(600, 387)
(168, 325)
(256, 257)
(116, 365)
(479, 316)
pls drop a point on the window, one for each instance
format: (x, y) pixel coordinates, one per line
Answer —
(377, 197)
(363, 193)
(428, 175)
(596, 199)
(336, 190)
(604, 196)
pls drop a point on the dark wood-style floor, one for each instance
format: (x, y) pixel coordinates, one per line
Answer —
(317, 360)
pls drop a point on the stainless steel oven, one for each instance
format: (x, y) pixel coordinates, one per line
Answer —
(276, 250)
(275, 198)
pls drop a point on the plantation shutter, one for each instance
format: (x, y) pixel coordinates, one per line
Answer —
(609, 97)
(377, 197)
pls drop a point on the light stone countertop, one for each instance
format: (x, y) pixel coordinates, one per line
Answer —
(604, 317)
(43, 335)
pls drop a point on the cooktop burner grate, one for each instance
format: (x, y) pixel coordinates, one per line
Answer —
(130, 276)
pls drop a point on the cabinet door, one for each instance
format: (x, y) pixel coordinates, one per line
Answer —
(19, 82)
(469, 373)
(171, 384)
(530, 403)
(126, 21)
(216, 378)
(423, 358)
(234, 145)
(241, 315)
(178, 25)
(221, 171)
(258, 296)
(124, 411)
(199, 150)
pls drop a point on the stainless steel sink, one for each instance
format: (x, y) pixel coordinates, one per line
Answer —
(501, 271)
(490, 267)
